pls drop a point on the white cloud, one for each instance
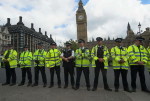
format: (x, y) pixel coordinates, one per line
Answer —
(105, 17)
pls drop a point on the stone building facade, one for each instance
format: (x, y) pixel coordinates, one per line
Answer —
(22, 35)
(5, 38)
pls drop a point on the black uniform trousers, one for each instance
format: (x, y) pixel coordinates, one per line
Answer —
(123, 73)
(42, 70)
(86, 75)
(57, 70)
(69, 69)
(10, 74)
(28, 71)
(138, 69)
(100, 66)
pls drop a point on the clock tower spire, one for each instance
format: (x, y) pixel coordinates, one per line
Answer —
(81, 20)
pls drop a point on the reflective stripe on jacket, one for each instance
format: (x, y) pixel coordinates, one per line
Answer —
(12, 58)
(40, 56)
(25, 59)
(118, 54)
(53, 58)
(82, 59)
(137, 54)
(94, 56)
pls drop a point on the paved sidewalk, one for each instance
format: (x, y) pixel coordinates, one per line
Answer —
(39, 93)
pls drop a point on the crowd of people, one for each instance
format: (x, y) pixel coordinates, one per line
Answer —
(135, 57)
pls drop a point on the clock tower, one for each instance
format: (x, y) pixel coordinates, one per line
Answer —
(81, 20)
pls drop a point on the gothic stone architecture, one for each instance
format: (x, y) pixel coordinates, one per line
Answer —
(5, 38)
(81, 20)
(22, 35)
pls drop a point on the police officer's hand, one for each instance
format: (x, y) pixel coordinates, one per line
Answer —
(140, 62)
(121, 61)
(37, 61)
(101, 60)
(66, 59)
(5, 60)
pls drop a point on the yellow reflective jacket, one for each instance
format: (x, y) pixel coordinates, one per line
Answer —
(40, 56)
(82, 59)
(53, 58)
(94, 56)
(12, 58)
(148, 55)
(118, 54)
(137, 54)
(25, 59)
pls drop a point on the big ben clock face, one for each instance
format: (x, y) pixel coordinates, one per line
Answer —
(80, 17)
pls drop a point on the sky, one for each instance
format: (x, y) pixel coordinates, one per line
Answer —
(57, 17)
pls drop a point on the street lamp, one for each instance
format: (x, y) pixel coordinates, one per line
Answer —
(139, 26)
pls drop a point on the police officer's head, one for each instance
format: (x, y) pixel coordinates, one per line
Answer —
(81, 42)
(118, 41)
(99, 40)
(68, 45)
(139, 40)
(25, 47)
(53, 45)
(9, 46)
(40, 45)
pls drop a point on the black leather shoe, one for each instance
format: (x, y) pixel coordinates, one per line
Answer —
(29, 84)
(35, 84)
(94, 89)
(133, 90)
(116, 90)
(108, 89)
(59, 86)
(88, 88)
(44, 85)
(76, 88)
(4, 84)
(12, 84)
(73, 87)
(51, 86)
(65, 86)
(127, 90)
(21, 84)
(146, 90)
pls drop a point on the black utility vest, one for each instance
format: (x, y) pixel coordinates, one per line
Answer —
(67, 53)
(100, 52)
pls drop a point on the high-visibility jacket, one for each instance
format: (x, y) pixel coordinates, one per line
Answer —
(95, 58)
(148, 55)
(25, 59)
(40, 56)
(137, 54)
(118, 54)
(12, 58)
(53, 58)
(82, 59)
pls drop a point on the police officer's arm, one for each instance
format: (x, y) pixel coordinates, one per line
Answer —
(131, 54)
(3, 58)
(86, 54)
(72, 55)
(145, 58)
(113, 55)
(34, 55)
(20, 59)
(78, 54)
(126, 57)
(106, 54)
(13, 56)
(93, 54)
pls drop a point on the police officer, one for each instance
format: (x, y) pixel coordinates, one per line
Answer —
(68, 64)
(53, 61)
(39, 63)
(82, 56)
(137, 59)
(100, 55)
(10, 62)
(120, 64)
(25, 65)
(148, 54)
